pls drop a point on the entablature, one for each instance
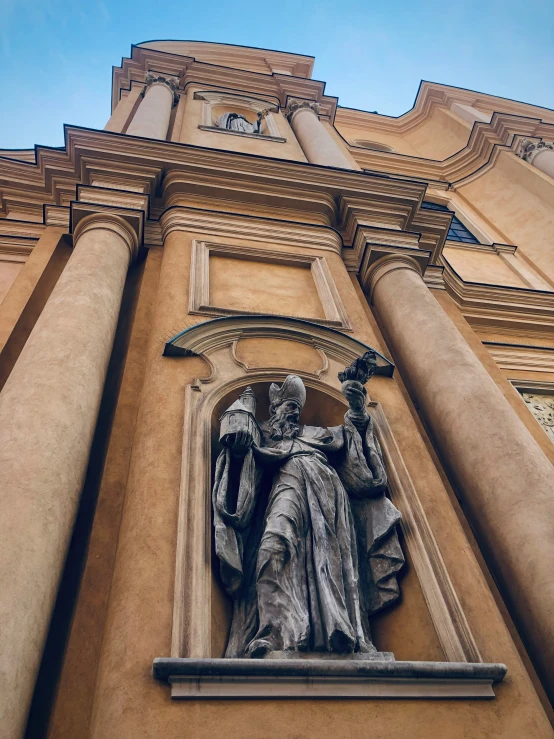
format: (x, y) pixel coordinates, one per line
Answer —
(280, 86)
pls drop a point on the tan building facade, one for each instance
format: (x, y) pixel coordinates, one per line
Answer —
(230, 226)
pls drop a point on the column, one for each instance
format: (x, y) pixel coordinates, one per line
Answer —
(316, 142)
(152, 117)
(48, 411)
(538, 153)
(505, 480)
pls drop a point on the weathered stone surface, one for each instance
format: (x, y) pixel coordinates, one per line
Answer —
(305, 534)
(297, 678)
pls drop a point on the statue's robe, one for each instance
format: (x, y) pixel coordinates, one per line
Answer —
(307, 540)
(236, 122)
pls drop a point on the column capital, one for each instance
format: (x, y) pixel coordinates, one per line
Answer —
(154, 78)
(294, 105)
(379, 259)
(528, 149)
(98, 217)
(389, 262)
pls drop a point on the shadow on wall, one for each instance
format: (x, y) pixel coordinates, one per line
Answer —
(405, 629)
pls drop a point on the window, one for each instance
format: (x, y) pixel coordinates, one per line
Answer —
(457, 230)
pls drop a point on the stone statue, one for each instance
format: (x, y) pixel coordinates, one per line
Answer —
(304, 532)
(237, 122)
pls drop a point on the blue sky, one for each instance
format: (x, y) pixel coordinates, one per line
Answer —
(57, 55)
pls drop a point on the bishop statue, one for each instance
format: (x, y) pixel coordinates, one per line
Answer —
(304, 531)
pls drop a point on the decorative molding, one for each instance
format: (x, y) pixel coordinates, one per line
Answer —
(203, 338)
(231, 225)
(528, 149)
(500, 307)
(434, 277)
(294, 105)
(15, 248)
(199, 300)
(56, 215)
(521, 358)
(244, 134)
(214, 341)
(310, 678)
(154, 78)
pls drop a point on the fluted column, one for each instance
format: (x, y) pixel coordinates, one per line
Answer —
(505, 480)
(48, 412)
(152, 117)
(316, 142)
(538, 153)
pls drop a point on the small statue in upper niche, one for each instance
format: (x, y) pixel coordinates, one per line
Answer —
(237, 122)
(304, 532)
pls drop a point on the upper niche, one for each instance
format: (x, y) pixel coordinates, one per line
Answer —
(239, 114)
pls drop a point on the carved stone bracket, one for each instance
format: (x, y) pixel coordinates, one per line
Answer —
(542, 407)
(294, 105)
(171, 82)
(529, 149)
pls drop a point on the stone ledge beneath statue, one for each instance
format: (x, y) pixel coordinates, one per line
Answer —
(309, 678)
(262, 136)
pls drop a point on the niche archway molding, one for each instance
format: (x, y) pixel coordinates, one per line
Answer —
(216, 341)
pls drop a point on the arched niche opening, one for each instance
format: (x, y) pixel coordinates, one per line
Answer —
(406, 628)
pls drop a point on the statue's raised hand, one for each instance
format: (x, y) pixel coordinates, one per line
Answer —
(354, 393)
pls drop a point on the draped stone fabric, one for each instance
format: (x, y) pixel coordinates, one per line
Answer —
(307, 541)
(237, 122)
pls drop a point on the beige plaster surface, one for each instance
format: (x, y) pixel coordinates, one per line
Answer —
(279, 353)
(245, 285)
(441, 135)
(8, 273)
(28, 294)
(129, 703)
(120, 117)
(48, 410)
(352, 134)
(503, 476)
(72, 709)
(519, 200)
(482, 267)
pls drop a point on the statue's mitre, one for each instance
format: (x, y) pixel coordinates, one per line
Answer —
(292, 389)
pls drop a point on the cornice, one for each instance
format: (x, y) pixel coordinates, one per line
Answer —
(434, 94)
(521, 357)
(235, 56)
(493, 306)
(129, 166)
(485, 142)
(190, 71)
(231, 225)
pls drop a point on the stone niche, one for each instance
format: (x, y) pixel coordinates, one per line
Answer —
(435, 653)
(215, 103)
